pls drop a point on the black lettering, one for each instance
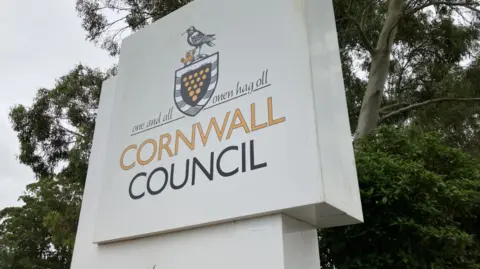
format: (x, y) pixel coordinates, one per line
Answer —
(238, 88)
(208, 171)
(219, 168)
(152, 192)
(138, 127)
(184, 181)
(133, 196)
(259, 82)
(208, 174)
(254, 166)
(244, 166)
(250, 87)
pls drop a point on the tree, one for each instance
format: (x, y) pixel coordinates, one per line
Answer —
(58, 127)
(132, 15)
(421, 203)
(55, 135)
(39, 234)
(418, 38)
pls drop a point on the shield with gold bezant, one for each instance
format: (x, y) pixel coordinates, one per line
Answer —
(195, 84)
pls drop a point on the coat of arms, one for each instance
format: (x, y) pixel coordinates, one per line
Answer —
(197, 80)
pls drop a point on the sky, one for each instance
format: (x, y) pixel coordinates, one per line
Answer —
(40, 41)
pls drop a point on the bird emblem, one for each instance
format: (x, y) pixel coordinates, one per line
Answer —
(196, 80)
(197, 39)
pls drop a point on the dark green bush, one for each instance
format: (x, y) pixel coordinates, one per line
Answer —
(421, 202)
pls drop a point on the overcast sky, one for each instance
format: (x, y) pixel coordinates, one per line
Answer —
(39, 42)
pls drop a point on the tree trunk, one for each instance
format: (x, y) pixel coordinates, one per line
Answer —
(368, 118)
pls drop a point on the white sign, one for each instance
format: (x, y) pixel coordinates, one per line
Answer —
(224, 110)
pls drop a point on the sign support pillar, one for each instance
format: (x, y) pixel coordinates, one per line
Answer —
(274, 242)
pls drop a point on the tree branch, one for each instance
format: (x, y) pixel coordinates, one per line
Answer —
(433, 3)
(358, 24)
(468, 5)
(364, 14)
(118, 32)
(107, 26)
(70, 131)
(410, 55)
(363, 36)
(421, 104)
(386, 109)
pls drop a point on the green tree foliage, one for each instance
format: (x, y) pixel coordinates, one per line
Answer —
(421, 202)
(55, 135)
(40, 234)
(132, 15)
(59, 126)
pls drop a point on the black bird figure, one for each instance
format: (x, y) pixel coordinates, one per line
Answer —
(197, 39)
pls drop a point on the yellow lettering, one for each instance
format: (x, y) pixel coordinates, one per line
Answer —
(233, 125)
(148, 141)
(271, 121)
(122, 163)
(253, 125)
(190, 144)
(213, 122)
(238, 121)
(164, 145)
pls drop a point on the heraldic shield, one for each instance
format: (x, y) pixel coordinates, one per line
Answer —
(195, 84)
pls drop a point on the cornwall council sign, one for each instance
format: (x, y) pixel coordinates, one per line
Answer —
(194, 152)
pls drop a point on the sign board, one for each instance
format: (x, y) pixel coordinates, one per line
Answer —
(225, 110)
